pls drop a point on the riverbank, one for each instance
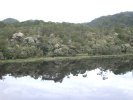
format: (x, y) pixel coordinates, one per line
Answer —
(78, 57)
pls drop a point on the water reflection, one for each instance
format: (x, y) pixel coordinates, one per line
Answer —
(57, 70)
(102, 79)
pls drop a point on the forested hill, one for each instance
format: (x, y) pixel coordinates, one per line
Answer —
(10, 20)
(106, 35)
(113, 22)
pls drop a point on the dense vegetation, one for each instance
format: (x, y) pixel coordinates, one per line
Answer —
(35, 38)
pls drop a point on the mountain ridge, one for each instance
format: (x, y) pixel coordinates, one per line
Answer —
(122, 18)
(10, 20)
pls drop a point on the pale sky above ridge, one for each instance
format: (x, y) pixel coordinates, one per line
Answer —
(74, 11)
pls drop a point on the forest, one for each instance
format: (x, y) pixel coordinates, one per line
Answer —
(107, 35)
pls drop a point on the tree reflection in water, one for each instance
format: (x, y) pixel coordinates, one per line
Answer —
(103, 73)
(57, 70)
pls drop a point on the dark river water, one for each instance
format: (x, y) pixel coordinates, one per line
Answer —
(96, 79)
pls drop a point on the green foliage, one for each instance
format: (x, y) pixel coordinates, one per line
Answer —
(3, 43)
(103, 36)
(1, 55)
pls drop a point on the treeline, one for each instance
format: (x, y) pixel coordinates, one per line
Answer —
(36, 38)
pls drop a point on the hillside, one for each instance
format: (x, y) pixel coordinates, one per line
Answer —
(123, 18)
(106, 35)
(10, 20)
(113, 22)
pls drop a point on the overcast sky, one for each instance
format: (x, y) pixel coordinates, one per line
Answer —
(75, 11)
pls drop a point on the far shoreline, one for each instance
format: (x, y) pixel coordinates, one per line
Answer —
(78, 57)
